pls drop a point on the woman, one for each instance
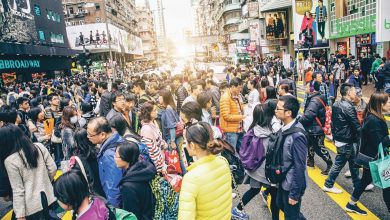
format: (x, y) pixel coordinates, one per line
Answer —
(264, 124)
(86, 151)
(72, 192)
(67, 126)
(137, 196)
(29, 167)
(168, 117)
(271, 93)
(38, 132)
(190, 113)
(206, 191)
(205, 101)
(307, 23)
(118, 123)
(263, 85)
(374, 132)
(339, 75)
(254, 96)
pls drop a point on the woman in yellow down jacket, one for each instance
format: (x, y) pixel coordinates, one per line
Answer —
(206, 191)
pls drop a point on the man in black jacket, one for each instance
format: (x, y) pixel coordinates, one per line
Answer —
(181, 92)
(313, 120)
(345, 130)
(365, 65)
(105, 99)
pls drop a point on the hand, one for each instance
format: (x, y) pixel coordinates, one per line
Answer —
(292, 202)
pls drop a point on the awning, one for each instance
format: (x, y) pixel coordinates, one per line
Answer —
(276, 5)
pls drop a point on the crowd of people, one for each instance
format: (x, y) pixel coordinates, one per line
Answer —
(176, 147)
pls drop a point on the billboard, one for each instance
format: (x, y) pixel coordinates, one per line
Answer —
(382, 21)
(311, 23)
(94, 37)
(276, 25)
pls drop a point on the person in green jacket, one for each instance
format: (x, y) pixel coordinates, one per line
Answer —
(375, 64)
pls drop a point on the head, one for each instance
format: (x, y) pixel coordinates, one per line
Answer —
(252, 84)
(378, 105)
(54, 100)
(126, 155)
(191, 111)
(316, 86)
(119, 124)
(199, 138)
(148, 112)
(166, 98)
(71, 189)
(36, 114)
(356, 72)
(287, 108)
(177, 80)
(270, 92)
(348, 91)
(99, 130)
(263, 114)
(307, 14)
(139, 86)
(23, 103)
(320, 3)
(86, 107)
(264, 83)
(283, 89)
(102, 87)
(129, 101)
(118, 101)
(205, 100)
(84, 146)
(339, 60)
(318, 77)
(69, 117)
(196, 88)
(235, 86)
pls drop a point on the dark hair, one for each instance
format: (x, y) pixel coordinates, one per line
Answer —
(271, 92)
(116, 95)
(140, 83)
(14, 140)
(262, 115)
(66, 115)
(119, 123)
(100, 124)
(374, 106)
(145, 111)
(167, 98)
(204, 98)
(51, 96)
(33, 114)
(316, 86)
(103, 85)
(20, 100)
(254, 83)
(86, 107)
(71, 188)
(290, 104)
(128, 151)
(64, 103)
(235, 82)
(85, 147)
(223, 85)
(345, 88)
(192, 110)
(202, 134)
(264, 83)
(284, 87)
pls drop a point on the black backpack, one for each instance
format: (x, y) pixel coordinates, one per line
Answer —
(235, 163)
(274, 156)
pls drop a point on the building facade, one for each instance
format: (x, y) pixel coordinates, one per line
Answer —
(147, 32)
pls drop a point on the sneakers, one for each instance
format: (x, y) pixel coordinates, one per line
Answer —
(332, 190)
(369, 187)
(355, 209)
(263, 197)
(347, 174)
(310, 163)
(239, 215)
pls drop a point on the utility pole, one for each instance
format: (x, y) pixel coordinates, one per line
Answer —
(109, 39)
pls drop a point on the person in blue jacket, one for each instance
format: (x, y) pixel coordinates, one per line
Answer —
(99, 132)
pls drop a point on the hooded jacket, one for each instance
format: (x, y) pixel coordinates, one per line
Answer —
(137, 196)
(313, 109)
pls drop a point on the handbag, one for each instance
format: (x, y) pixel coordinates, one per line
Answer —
(380, 169)
(173, 178)
(179, 128)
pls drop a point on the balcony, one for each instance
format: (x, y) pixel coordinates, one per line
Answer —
(239, 36)
(232, 21)
(229, 7)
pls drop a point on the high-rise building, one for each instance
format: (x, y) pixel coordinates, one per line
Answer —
(147, 31)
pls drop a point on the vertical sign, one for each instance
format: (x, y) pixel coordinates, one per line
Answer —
(382, 21)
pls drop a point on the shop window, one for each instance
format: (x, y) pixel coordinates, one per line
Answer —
(37, 10)
(41, 35)
(71, 10)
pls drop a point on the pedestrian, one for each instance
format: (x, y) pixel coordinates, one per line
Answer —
(139, 88)
(365, 67)
(168, 118)
(215, 93)
(129, 113)
(271, 93)
(137, 196)
(205, 101)
(206, 190)
(37, 117)
(355, 79)
(313, 119)
(195, 90)
(68, 125)
(118, 105)
(105, 98)
(292, 188)
(86, 114)
(375, 65)
(339, 75)
(254, 96)
(345, 130)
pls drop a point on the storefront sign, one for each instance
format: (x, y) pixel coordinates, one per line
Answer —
(342, 48)
(363, 25)
(383, 21)
(19, 64)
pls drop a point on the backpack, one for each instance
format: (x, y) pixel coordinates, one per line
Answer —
(274, 157)
(328, 118)
(143, 149)
(235, 163)
(167, 200)
(252, 153)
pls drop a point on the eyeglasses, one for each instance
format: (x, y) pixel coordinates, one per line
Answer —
(280, 109)
(120, 100)
(90, 135)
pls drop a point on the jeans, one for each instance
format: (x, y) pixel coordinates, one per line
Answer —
(291, 212)
(321, 29)
(316, 146)
(346, 153)
(58, 154)
(234, 139)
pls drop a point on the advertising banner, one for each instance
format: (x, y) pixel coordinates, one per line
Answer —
(311, 23)
(276, 25)
(254, 30)
(382, 21)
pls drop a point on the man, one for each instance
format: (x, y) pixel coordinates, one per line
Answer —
(290, 82)
(118, 106)
(24, 107)
(279, 27)
(313, 120)
(105, 98)
(99, 132)
(181, 92)
(129, 113)
(321, 16)
(355, 79)
(139, 88)
(196, 89)
(232, 114)
(293, 187)
(375, 65)
(365, 67)
(345, 130)
(215, 94)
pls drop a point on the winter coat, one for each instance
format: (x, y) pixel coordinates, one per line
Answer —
(375, 65)
(216, 97)
(137, 196)
(386, 72)
(231, 113)
(105, 103)
(374, 132)
(112, 113)
(356, 82)
(345, 124)
(109, 174)
(68, 143)
(169, 119)
(96, 210)
(206, 191)
(313, 109)
(339, 71)
(181, 94)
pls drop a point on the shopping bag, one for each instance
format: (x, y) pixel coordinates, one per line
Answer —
(380, 169)
(174, 160)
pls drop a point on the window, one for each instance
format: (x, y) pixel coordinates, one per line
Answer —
(71, 10)
(56, 38)
(37, 10)
(97, 6)
(41, 35)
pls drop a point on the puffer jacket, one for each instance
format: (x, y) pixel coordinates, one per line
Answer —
(345, 124)
(181, 94)
(230, 116)
(313, 109)
(206, 191)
